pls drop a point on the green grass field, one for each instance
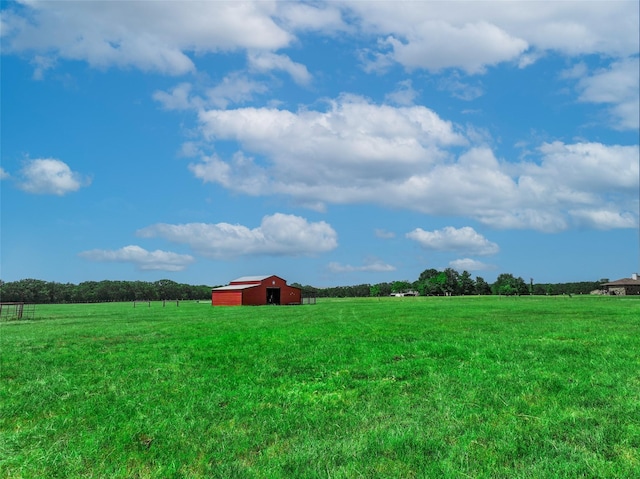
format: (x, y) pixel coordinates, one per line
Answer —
(393, 387)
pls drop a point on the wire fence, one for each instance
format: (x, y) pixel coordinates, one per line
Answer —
(17, 310)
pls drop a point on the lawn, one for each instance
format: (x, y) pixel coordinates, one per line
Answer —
(392, 387)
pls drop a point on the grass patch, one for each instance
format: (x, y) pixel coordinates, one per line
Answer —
(391, 387)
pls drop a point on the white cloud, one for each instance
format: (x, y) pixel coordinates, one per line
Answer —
(591, 167)
(464, 239)
(435, 45)
(166, 36)
(573, 185)
(49, 176)
(529, 58)
(317, 154)
(146, 35)
(408, 157)
(618, 86)
(403, 95)
(475, 35)
(278, 234)
(178, 98)
(468, 264)
(581, 184)
(603, 219)
(374, 265)
(241, 174)
(4, 174)
(267, 61)
(235, 88)
(144, 260)
(318, 17)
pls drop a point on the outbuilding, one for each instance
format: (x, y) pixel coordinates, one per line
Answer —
(624, 286)
(256, 291)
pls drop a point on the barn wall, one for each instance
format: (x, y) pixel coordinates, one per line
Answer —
(255, 296)
(274, 282)
(624, 290)
(290, 295)
(226, 298)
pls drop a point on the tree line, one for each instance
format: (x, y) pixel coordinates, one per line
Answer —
(450, 282)
(43, 292)
(431, 282)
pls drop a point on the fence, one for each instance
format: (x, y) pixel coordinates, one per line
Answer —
(309, 298)
(13, 311)
(148, 302)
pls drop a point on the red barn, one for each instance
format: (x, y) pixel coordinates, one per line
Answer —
(256, 291)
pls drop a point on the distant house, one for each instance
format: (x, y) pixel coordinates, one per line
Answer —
(624, 286)
(406, 293)
(256, 291)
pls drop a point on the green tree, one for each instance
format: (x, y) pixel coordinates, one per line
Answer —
(400, 286)
(27, 290)
(427, 274)
(451, 283)
(508, 284)
(482, 287)
(430, 282)
(167, 289)
(466, 285)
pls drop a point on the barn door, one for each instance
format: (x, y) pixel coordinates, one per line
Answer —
(273, 295)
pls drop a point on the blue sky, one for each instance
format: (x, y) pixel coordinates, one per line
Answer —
(330, 143)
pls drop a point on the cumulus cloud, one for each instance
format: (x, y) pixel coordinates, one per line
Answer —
(604, 218)
(588, 166)
(404, 94)
(49, 176)
(317, 17)
(464, 239)
(373, 265)
(408, 157)
(3, 174)
(618, 86)
(166, 36)
(143, 260)
(584, 184)
(235, 88)
(163, 36)
(268, 61)
(318, 154)
(468, 264)
(178, 98)
(278, 234)
(481, 34)
(150, 36)
(471, 47)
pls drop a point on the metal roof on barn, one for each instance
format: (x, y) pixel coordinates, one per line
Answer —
(232, 287)
(246, 279)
